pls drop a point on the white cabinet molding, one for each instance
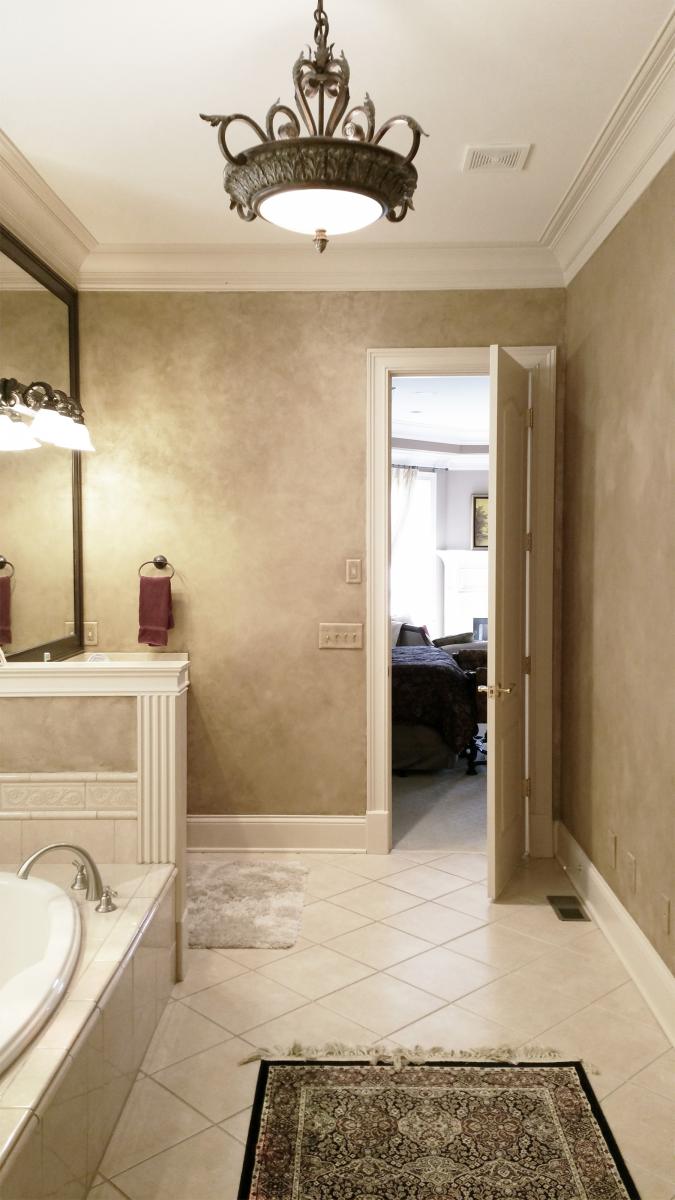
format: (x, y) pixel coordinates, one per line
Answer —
(160, 683)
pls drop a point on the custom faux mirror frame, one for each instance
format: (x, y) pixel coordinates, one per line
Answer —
(63, 647)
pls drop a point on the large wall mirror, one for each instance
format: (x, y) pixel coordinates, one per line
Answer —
(40, 487)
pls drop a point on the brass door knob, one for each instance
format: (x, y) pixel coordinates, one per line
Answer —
(495, 689)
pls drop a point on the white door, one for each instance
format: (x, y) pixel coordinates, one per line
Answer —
(507, 528)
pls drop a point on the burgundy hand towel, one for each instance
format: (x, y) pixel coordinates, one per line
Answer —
(5, 610)
(155, 613)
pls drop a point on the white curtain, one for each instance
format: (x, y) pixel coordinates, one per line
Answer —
(402, 488)
(413, 547)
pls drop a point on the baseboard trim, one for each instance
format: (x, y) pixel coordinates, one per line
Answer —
(378, 831)
(260, 832)
(647, 969)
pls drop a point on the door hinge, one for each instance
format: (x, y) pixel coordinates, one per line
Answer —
(528, 541)
(530, 417)
(527, 790)
(527, 665)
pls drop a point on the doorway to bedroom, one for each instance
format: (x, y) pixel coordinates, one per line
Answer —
(521, 542)
(439, 491)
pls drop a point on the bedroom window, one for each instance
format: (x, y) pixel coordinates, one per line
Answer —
(414, 578)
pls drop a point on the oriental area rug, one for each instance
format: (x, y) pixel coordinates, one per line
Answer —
(430, 1131)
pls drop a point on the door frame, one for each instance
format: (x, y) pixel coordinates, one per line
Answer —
(382, 365)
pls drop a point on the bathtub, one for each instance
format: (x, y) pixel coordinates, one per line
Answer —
(39, 946)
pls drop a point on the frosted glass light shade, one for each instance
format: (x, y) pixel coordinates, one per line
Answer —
(304, 210)
(79, 437)
(53, 427)
(14, 435)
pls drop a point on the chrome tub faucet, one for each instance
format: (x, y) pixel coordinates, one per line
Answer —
(89, 873)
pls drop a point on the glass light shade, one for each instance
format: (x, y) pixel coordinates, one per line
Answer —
(304, 210)
(53, 427)
(14, 435)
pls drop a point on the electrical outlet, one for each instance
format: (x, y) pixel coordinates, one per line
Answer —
(90, 632)
(631, 863)
(352, 570)
(612, 849)
(340, 637)
(665, 912)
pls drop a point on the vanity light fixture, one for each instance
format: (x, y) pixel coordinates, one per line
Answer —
(55, 417)
(322, 184)
(14, 435)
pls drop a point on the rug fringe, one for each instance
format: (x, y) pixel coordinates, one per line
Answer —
(398, 1056)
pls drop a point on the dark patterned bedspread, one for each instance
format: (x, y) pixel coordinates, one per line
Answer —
(429, 688)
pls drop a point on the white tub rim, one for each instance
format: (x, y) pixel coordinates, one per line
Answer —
(29, 998)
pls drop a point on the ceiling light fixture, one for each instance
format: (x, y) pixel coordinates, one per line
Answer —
(56, 417)
(323, 184)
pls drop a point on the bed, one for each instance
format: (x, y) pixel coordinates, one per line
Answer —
(433, 710)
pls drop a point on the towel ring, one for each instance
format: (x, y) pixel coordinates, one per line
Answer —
(4, 562)
(160, 562)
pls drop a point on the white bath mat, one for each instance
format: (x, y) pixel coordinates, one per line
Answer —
(256, 905)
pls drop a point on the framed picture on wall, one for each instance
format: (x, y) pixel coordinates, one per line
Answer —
(479, 522)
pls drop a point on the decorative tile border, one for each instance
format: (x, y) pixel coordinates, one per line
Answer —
(78, 793)
(49, 796)
(110, 796)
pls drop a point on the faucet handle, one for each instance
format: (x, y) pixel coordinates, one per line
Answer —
(105, 904)
(80, 881)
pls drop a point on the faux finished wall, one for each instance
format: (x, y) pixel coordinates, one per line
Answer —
(455, 512)
(231, 436)
(618, 661)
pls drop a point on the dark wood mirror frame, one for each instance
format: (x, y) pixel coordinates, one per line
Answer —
(64, 647)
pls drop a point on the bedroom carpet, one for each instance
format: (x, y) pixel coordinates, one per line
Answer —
(251, 905)
(445, 810)
(478, 1131)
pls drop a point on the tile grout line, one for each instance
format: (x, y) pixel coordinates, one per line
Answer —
(188, 1103)
(181, 1141)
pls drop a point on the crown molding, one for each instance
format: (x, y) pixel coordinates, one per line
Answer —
(298, 268)
(35, 214)
(634, 145)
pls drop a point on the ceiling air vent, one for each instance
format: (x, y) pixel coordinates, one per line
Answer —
(496, 158)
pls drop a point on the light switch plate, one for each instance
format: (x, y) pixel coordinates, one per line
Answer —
(340, 637)
(90, 632)
(353, 570)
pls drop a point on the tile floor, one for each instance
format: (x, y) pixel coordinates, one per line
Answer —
(403, 950)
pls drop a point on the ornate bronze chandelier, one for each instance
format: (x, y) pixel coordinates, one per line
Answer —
(324, 183)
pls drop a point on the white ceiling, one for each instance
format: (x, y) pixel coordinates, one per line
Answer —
(431, 413)
(451, 409)
(104, 100)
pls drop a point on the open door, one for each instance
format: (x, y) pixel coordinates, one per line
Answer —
(507, 530)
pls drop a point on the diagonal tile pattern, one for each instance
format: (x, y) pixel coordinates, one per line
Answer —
(245, 1001)
(386, 1003)
(426, 882)
(315, 972)
(407, 951)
